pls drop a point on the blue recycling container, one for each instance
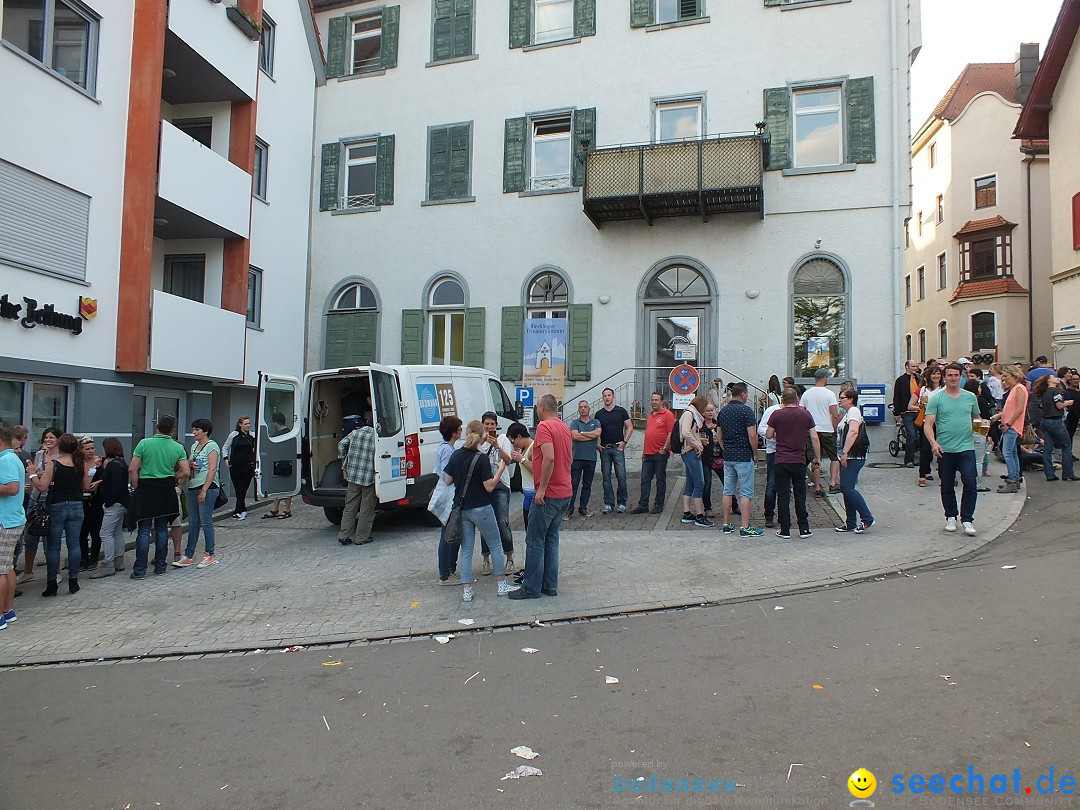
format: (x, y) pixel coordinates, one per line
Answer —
(872, 403)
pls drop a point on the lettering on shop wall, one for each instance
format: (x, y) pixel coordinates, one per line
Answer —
(45, 315)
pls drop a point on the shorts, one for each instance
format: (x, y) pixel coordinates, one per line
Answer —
(828, 446)
(8, 539)
(739, 475)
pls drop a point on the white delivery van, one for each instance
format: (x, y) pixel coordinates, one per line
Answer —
(300, 423)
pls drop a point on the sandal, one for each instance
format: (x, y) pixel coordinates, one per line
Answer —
(269, 515)
(922, 482)
(284, 515)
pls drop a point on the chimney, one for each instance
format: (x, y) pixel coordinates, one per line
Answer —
(1027, 62)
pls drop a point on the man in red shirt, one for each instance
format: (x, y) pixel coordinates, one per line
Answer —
(551, 471)
(654, 456)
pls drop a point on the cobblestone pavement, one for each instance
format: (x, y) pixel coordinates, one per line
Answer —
(289, 582)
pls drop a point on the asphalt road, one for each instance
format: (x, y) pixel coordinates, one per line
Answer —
(965, 665)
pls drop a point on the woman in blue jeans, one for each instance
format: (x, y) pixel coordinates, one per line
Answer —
(473, 492)
(202, 492)
(859, 518)
(69, 476)
(450, 430)
(692, 448)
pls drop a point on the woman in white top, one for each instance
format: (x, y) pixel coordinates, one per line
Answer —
(931, 385)
(853, 446)
(692, 447)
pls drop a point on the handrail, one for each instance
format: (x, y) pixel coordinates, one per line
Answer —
(718, 136)
(602, 383)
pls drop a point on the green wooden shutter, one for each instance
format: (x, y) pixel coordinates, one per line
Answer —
(388, 51)
(384, 171)
(463, 28)
(641, 13)
(328, 176)
(442, 30)
(778, 123)
(412, 336)
(439, 164)
(519, 23)
(514, 155)
(584, 129)
(350, 339)
(474, 337)
(860, 120)
(336, 36)
(513, 343)
(584, 18)
(579, 343)
(460, 162)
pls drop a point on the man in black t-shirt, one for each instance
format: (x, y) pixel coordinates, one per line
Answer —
(616, 428)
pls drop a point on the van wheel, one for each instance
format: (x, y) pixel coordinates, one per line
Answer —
(334, 514)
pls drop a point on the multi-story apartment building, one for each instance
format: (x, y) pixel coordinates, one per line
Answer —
(1052, 111)
(154, 187)
(648, 172)
(977, 257)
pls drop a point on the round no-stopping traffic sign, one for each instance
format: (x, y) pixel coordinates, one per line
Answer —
(684, 379)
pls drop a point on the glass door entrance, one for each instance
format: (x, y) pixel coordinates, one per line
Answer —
(674, 334)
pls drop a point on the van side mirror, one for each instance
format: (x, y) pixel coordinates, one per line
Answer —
(519, 411)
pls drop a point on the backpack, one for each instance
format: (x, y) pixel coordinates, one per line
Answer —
(676, 438)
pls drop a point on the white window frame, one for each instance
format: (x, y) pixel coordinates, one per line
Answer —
(661, 104)
(975, 191)
(556, 180)
(922, 345)
(943, 338)
(971, 328)
(943, 270)
(336, 306)
(838, 108)
(920, 283)
(445, 312)
(678, 14)
(933, 154)
(556, 34)
(557, 308)
(351, 201)
(26, 405)
(48, 44)
(907, 345)
(255, 291)
(259, 180)
(267, 41)
(907, 290)
(355, 37)
(939, 207)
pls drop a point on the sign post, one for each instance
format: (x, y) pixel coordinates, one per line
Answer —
(684, 380)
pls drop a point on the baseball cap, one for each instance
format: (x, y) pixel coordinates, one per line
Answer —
(821, 374)
(964, 361)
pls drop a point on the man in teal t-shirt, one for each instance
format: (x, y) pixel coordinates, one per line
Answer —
(948, 426)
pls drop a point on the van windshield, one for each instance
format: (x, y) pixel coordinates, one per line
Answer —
(388, 409)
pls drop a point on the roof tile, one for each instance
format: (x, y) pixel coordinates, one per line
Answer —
(977, 77)
(989, 286)
(979, 225)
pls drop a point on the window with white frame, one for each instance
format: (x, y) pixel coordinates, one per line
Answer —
(254, 302)
(983, 331)
(922, 345)
(360, 174)
(679, 120)
(266, 44)
(907, 345)
(553, 20)
(446, 323)
(933, 155)
(366, 43)
(551, 152)
(61, 34)
(356, 297)
(986, 191)
(907, 290)
(548, 296)
(942, 271)
(819, 304)
(258, 175)
(668, 11)
(943, 339)
(34, 403)
(940, 209)
(920, 276)
(819, 138)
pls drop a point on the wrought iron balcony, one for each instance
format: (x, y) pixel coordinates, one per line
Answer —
(714, 175)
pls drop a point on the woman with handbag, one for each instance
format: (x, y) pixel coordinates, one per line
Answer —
(64, 479)
(115, 499)
(931, 385)
(854, 443)
(239, 454)
(202, 495)
(43, 458)
(708, 455)
(470, 471)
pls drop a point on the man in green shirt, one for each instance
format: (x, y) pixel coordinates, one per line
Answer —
(155, 464)
(948, 427)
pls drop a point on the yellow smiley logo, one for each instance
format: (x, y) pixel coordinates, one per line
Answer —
(862, 784)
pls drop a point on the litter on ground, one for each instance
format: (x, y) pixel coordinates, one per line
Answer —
(524, 752)
(522, 770)
(609, 679)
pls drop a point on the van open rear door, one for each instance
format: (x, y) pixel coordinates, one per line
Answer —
(277, 431)
(391, 465)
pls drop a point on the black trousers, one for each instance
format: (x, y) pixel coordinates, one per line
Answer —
(90, 533)
(241, 476)
(791, 478)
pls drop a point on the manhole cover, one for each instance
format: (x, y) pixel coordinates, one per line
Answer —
(886, 465)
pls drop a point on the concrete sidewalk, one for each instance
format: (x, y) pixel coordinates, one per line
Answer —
(289, 582)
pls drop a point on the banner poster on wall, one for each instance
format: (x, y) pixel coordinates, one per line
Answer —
(817, 352)
(544, 368)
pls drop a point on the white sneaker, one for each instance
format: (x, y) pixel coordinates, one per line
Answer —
(950, 524)
(969, 529)
(505, 587)
(242, 516)
(467, 594)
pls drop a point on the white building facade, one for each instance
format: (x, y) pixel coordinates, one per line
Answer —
(459, 143)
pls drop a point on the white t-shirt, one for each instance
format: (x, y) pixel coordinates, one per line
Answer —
(818, 400)
(852, 414)
(994, 385)
(763, 425)
(507, 447)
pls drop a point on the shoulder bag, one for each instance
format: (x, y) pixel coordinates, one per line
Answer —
(453, 523)
(861, 446)
(38, 524)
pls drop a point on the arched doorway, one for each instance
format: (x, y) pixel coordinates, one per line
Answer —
(678, 305)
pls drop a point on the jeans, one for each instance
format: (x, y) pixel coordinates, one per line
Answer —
(527, 496)
(791, 477)
(964, 463)
(65, 519)
(654, 466)
(447, 556)
(542, 545)
(910, 437)
(613, 456)
(981, 457)
(1010, 440)
(160, 527)
(854, 502)
(581, 471)
(706, 482)
(500, 504)
(200, 516)
(482, 518)
(112, 533)
(695, 478)
(770, 486)
(1055, 435)
(241, 479)
(926, 455)
(739, 479)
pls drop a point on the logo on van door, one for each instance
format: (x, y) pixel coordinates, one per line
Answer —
(437, 401)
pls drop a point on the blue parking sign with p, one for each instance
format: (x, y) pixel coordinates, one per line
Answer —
(524, 396)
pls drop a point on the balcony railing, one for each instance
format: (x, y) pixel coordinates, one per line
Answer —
(714, 175)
